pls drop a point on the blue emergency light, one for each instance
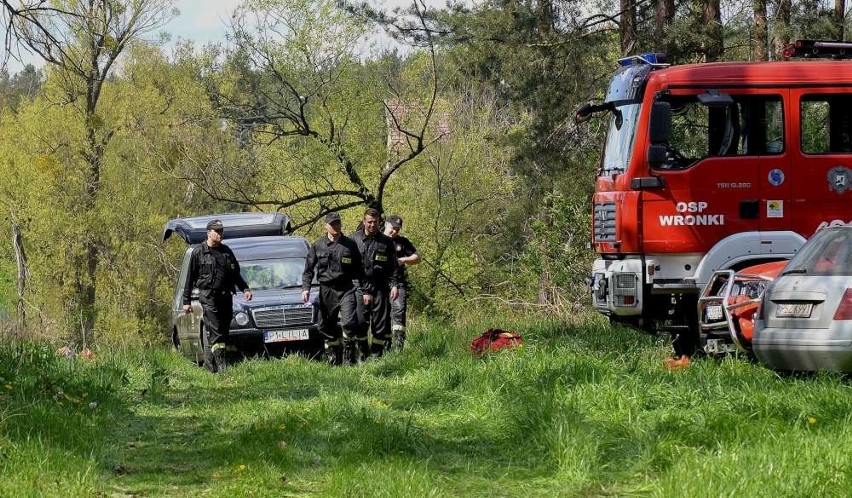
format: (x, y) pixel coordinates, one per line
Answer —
(652, 58)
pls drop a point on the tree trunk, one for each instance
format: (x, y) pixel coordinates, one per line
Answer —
(712, 45)
(96, 148)
(760, 31)
(23, 273)
(662, 23)
(628, 27)
(839, 18)
(782, 28)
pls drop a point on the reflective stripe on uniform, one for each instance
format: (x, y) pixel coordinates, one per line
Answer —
(331, 344)
(397, 327)
(379, 342)
(217, 346)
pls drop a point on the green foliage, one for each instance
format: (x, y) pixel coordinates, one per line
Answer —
(158, 110)
(557, 258)
(454, 201)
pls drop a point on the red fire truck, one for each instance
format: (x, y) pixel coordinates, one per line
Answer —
(714, 166)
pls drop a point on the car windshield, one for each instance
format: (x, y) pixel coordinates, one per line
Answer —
(619, 139)
(273, 273)
(829, 252)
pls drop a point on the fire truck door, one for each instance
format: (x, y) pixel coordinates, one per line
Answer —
(823, 162)
(711, 179)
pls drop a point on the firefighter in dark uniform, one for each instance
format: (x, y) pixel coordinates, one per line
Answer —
(406, 254)
(215, 271)
(337, 263)
(381, 274)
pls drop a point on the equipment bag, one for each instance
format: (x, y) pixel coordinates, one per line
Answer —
(495, 340)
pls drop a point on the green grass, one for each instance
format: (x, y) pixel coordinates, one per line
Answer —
(581, 410)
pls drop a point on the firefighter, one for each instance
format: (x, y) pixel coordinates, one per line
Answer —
(215, 271)
(380, 273)
(406, 254)
(337, 263)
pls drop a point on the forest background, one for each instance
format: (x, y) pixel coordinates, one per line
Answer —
(467, 131)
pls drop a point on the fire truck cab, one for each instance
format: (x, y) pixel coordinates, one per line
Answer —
(710, 167)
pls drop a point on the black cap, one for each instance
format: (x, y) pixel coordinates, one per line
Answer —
(395, 221)
(215, 225)
(332, 217)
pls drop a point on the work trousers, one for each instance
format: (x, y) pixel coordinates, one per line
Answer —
(399, 307)
(375, 318)
(218, 310)
(338, 321)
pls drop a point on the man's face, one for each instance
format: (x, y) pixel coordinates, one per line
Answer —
(391, 231)
(334, 228)
(214, 237)
(371, 225)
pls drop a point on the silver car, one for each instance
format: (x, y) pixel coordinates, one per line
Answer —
(275, 320)
(805, 319)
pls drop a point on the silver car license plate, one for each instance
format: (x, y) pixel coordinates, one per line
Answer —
(794, 310)
(285, 335)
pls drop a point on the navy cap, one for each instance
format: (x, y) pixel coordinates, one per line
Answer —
(395, 221)
(332, 217)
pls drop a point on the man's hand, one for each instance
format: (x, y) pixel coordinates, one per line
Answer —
(187, 309)
(368, 298)
(306, 296)
(247, 294)
(394, 293)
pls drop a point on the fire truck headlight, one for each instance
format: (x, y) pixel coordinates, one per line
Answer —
(626, 290)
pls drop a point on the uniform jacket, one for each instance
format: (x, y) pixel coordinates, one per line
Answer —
(207, 272)
(380, 265)
(334, 262)
(403, 248)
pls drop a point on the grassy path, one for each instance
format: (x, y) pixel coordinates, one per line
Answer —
(580, 411)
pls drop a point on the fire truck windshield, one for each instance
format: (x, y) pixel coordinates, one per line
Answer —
(619, 139)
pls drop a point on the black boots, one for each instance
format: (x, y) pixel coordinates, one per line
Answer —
(351, 353)
(398, 340)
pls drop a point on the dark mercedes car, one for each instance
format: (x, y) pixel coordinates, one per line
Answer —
(275, 320)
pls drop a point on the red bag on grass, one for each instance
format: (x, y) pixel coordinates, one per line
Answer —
(495, 340)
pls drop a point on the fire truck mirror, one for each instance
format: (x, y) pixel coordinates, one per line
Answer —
(583, 113)
(658, 156)
(588, 109)
(658, 129)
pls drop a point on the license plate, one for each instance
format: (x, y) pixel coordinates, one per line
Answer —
(714, 312)
(794, 310)
(285, 335)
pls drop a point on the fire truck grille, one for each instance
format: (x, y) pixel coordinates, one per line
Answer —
(604, 222)
(280, 316)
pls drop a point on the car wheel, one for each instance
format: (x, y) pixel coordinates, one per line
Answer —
(176, 340)
(202, 340)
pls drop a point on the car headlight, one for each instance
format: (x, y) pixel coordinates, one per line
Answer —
(241, 318)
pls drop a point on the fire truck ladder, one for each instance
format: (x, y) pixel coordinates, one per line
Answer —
(816, 49)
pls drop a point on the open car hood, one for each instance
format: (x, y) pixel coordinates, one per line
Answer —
(193, 230)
